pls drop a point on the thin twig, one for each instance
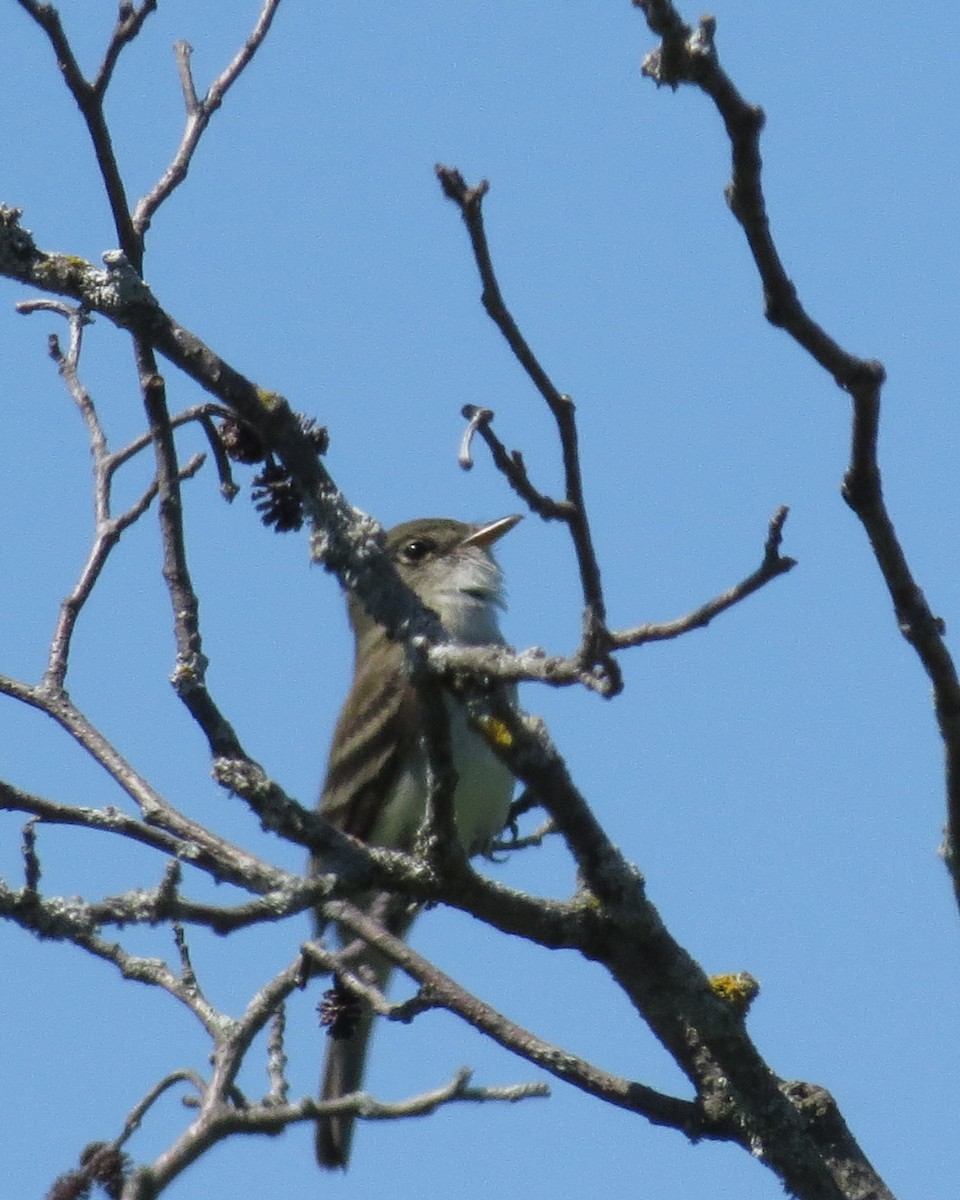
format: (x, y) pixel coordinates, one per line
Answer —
(187, 974)
(108, 532)
(535, 838)
(153, 972)
(228, 487)
(135, 1118)
(437, 841)
(200, 413)
(277, 1058)
(773, 565)
(31, 860)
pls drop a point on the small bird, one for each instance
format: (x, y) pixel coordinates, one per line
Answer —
(376, 782)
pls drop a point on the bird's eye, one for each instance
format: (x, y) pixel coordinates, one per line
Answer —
(416, 550)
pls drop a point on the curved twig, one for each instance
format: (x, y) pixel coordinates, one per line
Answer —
(510, 464)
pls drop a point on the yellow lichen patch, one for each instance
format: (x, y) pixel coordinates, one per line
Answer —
(269, 400)
(72, 260)
(588, 901)
(738, 990)
(496, 732)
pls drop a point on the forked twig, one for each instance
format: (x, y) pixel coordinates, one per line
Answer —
(129, 23)
(107, 527)
(199, 112)
(89, 99)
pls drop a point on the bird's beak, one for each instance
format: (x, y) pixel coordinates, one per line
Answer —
(486, 535)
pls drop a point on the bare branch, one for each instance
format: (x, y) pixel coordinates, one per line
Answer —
(189, 675)
(106, 820)
(219, 1120)
(689, 56)
(229, 863)
(457, 1089)
(107, 528)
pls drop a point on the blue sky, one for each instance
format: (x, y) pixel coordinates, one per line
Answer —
(777, 777)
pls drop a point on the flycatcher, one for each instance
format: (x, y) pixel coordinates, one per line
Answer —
(376, 783)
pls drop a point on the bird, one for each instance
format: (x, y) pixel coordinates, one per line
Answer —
(376, 780)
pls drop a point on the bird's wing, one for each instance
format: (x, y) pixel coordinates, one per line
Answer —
(382, 705)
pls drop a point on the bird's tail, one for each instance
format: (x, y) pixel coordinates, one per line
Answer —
(346, 1057)
(342, 1074)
